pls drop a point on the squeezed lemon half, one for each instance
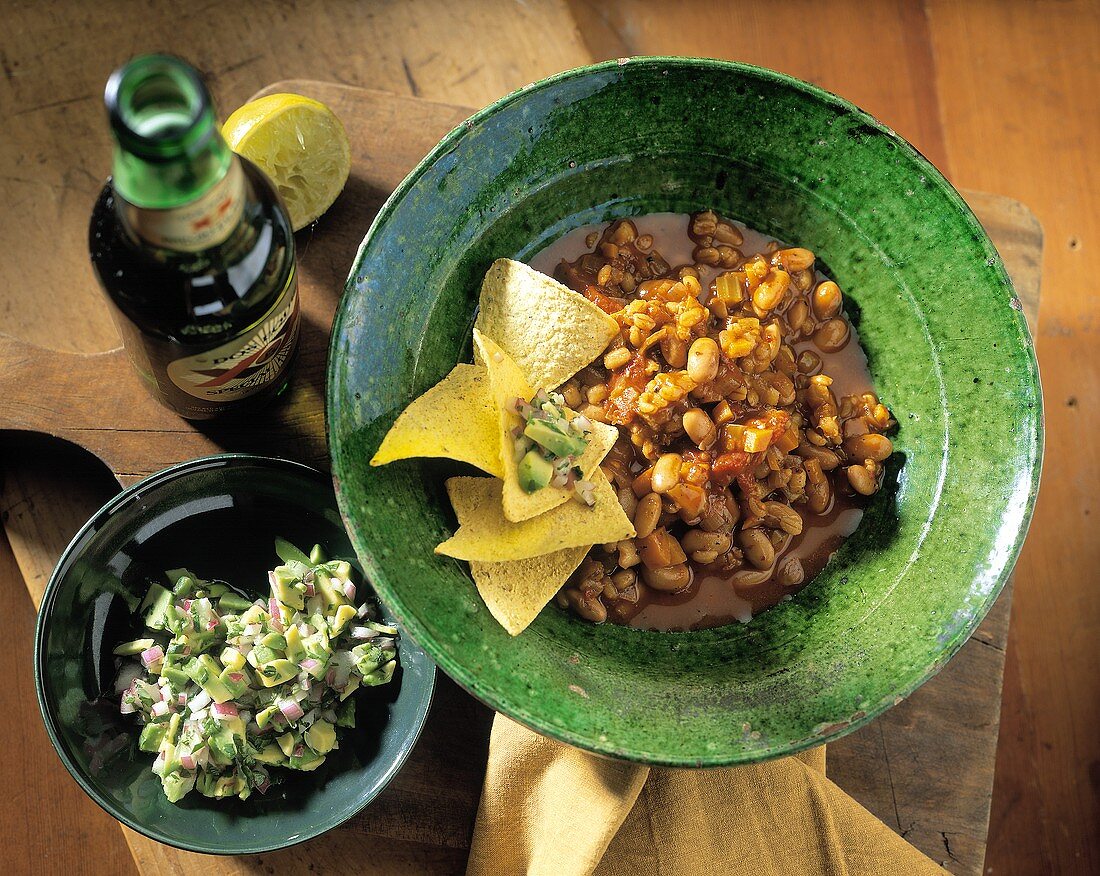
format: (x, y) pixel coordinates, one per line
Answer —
(300, 144)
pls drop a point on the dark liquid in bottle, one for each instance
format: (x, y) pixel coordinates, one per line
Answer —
(211, 332)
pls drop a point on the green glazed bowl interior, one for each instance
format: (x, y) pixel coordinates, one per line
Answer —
(219, 516)
(948, 349)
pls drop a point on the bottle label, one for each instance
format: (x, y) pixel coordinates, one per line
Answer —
(198, 225)
(247, 364)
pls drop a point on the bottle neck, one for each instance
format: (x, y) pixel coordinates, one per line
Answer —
(178, 185)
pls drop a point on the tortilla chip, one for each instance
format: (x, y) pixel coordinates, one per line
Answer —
(506, 382)
(455, 419)
(516, 591)
(550, 330)
(486, 536)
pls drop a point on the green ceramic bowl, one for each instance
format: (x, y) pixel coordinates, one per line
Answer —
(948, 349)
(221, 514)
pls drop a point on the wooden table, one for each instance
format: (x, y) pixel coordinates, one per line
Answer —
(982, 90)
(895, 767)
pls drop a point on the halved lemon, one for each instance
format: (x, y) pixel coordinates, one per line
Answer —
(300, 144)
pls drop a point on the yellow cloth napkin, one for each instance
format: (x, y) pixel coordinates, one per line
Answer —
(551, 810)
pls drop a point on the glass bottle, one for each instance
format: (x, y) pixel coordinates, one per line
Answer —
(193, 248)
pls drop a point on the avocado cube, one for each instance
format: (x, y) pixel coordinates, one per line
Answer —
(287, 743)
(132, 649)
(235, 681)
(155, 605)
(317, 555)
(554, 440)
(341, 569)
(274, 641)
(260, 655)
(152, 735)
(176, 677)
(232, 659)
(534, 472)
(344, 615)
(270, 753)
(294, 649)
(172, 734)
(230, 601)
(331, 593)
(206, 672)
(284, 587)
(176, 785)
(276, 672)
(183, 585)
(321, 737)
(264, 716)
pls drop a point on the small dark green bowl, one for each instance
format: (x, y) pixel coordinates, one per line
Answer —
(949, 353)
(219, 516)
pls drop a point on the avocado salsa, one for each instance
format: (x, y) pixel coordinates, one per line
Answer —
(227, 688)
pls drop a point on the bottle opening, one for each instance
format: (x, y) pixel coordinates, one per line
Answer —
(157, 105)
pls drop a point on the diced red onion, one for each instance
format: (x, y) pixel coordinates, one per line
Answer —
(363, 633)
(299, 750)
(212, 624)
(304, 681)
(384, 642)
(187, 605)
(310, 589)
(349, 590)
(264, 786)
(330, 676)
(315, 693)
(181, 698)
(151, 655)
(309, 664)
(127, 707)
(363, 611)
(200, 701)
(276, 616)
(225, 710)
(236, 677)
(251, 630)
(291, 710)
(187, 761)
(160, 709)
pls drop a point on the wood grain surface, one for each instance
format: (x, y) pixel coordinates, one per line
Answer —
(1000, 95)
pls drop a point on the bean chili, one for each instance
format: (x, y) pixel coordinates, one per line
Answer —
(749, 433)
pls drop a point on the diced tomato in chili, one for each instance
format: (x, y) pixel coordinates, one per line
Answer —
(604, 302)
(730, 465)
(626, 386)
